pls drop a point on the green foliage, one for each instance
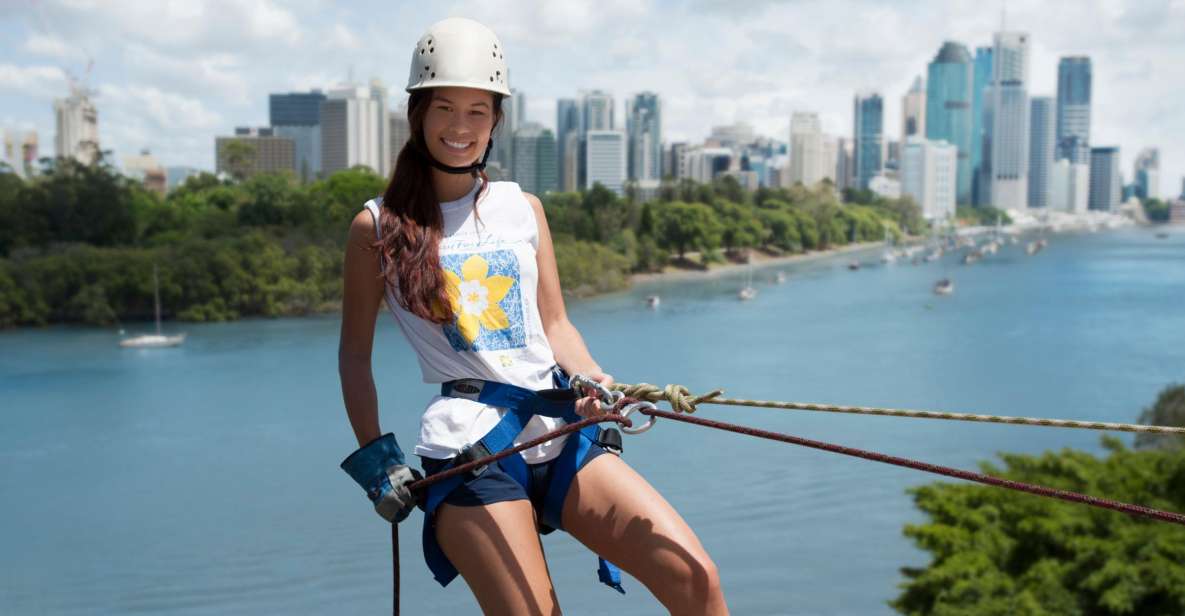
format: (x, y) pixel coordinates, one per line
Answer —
(981, 215)
(78, 243)
(586, 268)
(998, 551)
(1156, 210)
(1168, 410)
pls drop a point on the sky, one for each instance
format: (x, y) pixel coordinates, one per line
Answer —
(170, 75)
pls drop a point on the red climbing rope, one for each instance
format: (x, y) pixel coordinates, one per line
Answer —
(1066, 495)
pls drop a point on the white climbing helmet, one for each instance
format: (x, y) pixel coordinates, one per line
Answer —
(462, 53)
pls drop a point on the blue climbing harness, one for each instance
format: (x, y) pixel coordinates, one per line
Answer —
(521, 404)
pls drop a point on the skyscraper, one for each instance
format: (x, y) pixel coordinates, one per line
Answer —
(913, 110)
(1073, 108)
(808, 163)
(948, 107)
(534, 159)
(1105, 183)
(929, 174)
(297, 116)
(501, 158)
(567, 125)
(981, 127)
(644, 128)
(605, 156)
(844, 163)
(596, 111)
(1042, 134)
(1010, 120)
(868, 137)
(77, 123)
(355, 129)
(1147, 174)
(400, 133)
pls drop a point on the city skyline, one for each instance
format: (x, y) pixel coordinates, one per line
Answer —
(173, 95)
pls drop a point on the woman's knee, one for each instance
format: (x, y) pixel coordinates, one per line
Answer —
(696, 580)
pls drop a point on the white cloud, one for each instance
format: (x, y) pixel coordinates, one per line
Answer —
(712, 61)
(39, 81)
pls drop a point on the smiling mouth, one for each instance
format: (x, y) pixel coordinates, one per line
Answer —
(457, 146)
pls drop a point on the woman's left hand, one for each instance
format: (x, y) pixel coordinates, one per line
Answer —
(590, 405)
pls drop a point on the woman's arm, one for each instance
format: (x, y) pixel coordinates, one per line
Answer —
(566, 343)
(362, 297)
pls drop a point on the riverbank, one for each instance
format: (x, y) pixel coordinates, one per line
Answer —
(759, 259)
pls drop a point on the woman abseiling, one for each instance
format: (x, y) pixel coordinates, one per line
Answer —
(467, 268)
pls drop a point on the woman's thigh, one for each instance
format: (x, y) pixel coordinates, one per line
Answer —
(496, 549)
(615, 512)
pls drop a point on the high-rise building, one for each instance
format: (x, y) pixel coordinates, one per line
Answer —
(596, 111)
(77, 123)
(1073, 108)
(567, 124)
(845, 164)
(704, 164)
(981, 128)
(1010, 121)
(400, 134)
(1106, 185)
(605, 156)
(1042, 134)
(643, 119)
(674, 166)
(808, 161)
(502, 157)
(1147, 174)
(534, 159)
(948, 107)
(252, 151)
(356, 129)
(1069, 186)
(868, 137)
(297, 116)
(929, 174)
(913, 110)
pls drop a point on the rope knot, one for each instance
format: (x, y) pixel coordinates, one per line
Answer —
(678, 396)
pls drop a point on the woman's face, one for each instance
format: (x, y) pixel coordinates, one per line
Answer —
(457, 125)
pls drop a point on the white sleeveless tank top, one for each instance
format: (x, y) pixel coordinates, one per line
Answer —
(496, 333)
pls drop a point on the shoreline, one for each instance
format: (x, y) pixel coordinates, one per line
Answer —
(759, 260)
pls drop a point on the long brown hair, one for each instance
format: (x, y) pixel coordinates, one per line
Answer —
(412, 224)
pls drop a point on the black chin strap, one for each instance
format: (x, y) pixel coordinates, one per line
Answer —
(475, 167)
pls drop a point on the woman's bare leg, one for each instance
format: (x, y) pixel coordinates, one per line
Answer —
(496, 549)
(611, 509)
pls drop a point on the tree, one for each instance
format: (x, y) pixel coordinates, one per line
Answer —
(1168, 410)
(688, 226)
(240, 158)
(1156, 210)
(1002, 552)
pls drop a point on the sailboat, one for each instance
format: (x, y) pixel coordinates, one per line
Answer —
(748, 292)
(147, 341)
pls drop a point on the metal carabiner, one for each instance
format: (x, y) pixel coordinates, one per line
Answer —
(636, 406)
(606, 395)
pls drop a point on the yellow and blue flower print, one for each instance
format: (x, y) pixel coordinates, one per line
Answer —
(484, 294)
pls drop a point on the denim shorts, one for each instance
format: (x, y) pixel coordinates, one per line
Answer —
(495, 485)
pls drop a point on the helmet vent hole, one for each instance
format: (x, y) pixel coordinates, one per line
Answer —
(431, 49)
(494, 54)
(491, 78)
(421, 52)
(434, 75)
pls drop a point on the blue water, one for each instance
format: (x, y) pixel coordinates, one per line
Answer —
(204, 479)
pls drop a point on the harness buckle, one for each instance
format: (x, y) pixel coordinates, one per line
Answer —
(610, 440)
(470, 453)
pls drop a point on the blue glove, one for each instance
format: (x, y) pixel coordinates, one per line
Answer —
(380, 469)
